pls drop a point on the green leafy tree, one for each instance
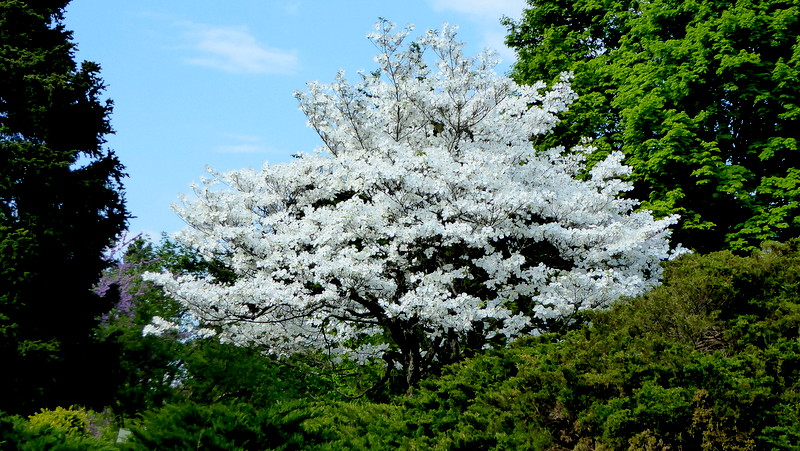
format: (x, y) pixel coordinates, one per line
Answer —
(61, 205)
(703, 96)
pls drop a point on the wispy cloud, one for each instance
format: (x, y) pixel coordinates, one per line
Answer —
(292, 8)
(486, 16)
(243, 144)
(235, 50)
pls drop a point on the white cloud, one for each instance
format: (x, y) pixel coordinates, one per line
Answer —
(235, 50)
(242, 148)
(243, 144)
(291, 8)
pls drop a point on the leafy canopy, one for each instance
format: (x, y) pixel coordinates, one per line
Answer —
(702, 96)
(426, 228)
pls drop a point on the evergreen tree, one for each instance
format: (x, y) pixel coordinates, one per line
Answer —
(703, 97)
(61, 205)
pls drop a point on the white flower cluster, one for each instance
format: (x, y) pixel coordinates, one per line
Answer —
(427, 215)
(159, 326)
(186, 328)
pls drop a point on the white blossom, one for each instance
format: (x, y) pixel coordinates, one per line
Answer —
(159, 326)
(426, 221)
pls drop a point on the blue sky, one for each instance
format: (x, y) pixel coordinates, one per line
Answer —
(199, 83)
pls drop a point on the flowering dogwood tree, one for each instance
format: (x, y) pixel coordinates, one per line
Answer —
(425, 225)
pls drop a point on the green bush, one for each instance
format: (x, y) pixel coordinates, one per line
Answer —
(234, 426)
(71, 421)
(17, 433)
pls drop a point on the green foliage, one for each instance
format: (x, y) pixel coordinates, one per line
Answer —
(234, 426)
(702, 96)
(57, 430)
(218, 372)
(142, 370)
(72, 421)
(60, 206)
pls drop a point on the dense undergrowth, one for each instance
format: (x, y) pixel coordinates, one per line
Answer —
(709, 360)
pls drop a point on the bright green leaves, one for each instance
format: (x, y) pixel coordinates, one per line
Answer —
(702, 96)
(777, 205)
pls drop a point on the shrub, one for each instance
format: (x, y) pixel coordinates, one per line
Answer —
(71, 421)
(233, 426)
(52, 430)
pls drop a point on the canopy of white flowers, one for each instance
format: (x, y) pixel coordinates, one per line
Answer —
(425, 224)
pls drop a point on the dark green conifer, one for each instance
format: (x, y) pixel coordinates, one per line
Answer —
(61, 205)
